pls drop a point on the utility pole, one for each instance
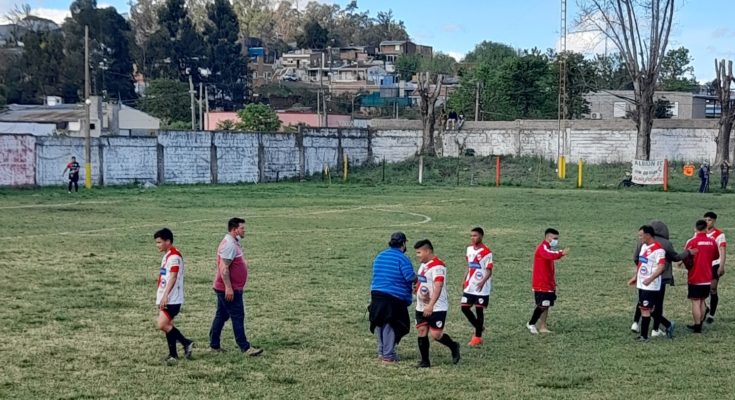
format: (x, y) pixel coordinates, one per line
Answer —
(324, 95)
(562, 114)
(87, 104)
(201, 109)
(206, 106)
(477, 102)
(193, 109)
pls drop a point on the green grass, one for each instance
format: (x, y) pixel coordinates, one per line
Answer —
(78, 273)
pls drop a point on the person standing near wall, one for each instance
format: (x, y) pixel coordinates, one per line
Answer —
(724, 174)
(704, 178)
(73, 168)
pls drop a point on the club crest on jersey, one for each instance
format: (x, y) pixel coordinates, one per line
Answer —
(424, 290)
(478, 275)
(644, 270)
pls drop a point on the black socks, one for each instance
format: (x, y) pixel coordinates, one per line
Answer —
(645, 324)
(424, 348)
(171, 340)
(713, 300)
(536, 315)
(477, 322)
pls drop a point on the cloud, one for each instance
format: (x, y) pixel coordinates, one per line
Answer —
(456, 55)
(54, 14)
(722, 33)
(452, 28)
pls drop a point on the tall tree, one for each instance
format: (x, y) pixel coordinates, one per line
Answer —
(611, 73)
(677, 74)
(581, 80)
(177, 48)
(225, 60)
(168, 100)
(523, 86)
(640, 30)
(407, 65)
(144, 24)
(429, 88)
(115, 70)
(314, 36)
(722, 86)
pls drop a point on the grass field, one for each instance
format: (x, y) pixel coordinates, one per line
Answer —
(78, 273)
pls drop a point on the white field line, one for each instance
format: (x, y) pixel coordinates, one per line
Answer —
(426, 219)
(59, 205)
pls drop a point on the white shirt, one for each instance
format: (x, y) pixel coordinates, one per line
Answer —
(719, 237)
(172, 262)
(479, 263)
(428, 273)
(650, 258)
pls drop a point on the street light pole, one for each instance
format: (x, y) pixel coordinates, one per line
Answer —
(87, 103)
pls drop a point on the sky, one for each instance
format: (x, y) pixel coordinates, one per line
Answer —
(456, 26)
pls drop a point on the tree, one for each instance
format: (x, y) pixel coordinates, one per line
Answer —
(611, 73)
(722, 86)
(168, 100)
(225, 60)
(522, 86)
(115, 70)
(314, 36)
(581, 76)
(177, 48)
(407, 65)
(429, 87)
(144, 24)
(257, 117)
(664, 108)
(226, 125)
(640, 30)
(677, 75)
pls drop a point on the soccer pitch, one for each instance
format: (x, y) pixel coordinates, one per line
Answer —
(78, 281)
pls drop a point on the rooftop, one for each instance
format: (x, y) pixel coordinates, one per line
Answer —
(38, 113)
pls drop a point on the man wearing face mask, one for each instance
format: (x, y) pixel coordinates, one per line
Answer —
(544, 280)
(391, 294)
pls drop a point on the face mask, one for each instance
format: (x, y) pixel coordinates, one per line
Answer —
(554, 242)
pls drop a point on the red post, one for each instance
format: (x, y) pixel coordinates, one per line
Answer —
(497, 171)
(666, 175)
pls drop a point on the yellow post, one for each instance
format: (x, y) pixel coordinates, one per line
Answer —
(88, 175)
(562, 167)
(580, 170)
(345, 167)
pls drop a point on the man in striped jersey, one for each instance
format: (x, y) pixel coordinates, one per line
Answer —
(477, 283)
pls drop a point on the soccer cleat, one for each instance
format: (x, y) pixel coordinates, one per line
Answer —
(670, 330)
(710, 318)
(188, 350)
(532, 329)
(635, 327)
(657, 333)
(475, 341)
(641, 339)
(455, 353)
(423, 364)
(253, 352)
(170, 360)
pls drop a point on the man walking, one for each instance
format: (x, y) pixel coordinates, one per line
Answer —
(704, 178)
(544, 279)
(432, 303)
(651, 264)
(718, 266)
(477, 283)
(73, 168)
(700, 272)
(391, 295)
(230, 279)
(667, 278)
(724, 174)
(170, 294)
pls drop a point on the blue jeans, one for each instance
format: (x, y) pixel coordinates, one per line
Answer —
(386, 342)
(234, 310)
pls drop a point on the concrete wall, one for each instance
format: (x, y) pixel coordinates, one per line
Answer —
(226, 157)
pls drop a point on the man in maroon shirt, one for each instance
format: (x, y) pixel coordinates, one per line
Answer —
(229, 282)
(700, 271)
(544, 279)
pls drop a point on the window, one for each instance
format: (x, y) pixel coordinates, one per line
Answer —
(675, 109)
(398, 47)
(619, 109)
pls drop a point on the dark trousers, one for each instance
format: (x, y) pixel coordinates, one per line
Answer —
(73, 179)
(233, 310)
(704, 186)
(724, 179)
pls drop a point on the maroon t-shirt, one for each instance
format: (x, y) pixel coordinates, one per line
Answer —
(229, 249)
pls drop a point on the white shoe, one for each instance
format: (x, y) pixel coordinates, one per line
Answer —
(657, 333)
(635, 327)
(532, 329)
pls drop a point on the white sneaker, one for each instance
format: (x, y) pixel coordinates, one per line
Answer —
(532, 329)
(635, 327)
(658, 333)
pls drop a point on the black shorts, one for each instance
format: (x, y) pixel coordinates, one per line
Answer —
(715, 274)
(469, 300)
(647, 299)
(435, 321)
(172, 310)
(698, 292)
(545, 299)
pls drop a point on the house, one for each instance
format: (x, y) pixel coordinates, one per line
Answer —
(616, 104)
(57, 118)
(357, 53)
(392, 49)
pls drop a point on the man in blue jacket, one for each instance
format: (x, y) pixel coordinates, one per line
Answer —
(391, 294)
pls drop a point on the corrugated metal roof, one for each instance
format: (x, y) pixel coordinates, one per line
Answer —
(55, 114)
(392, 42)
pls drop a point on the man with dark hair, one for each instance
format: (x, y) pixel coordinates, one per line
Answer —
(667, 278)
(544, 279)
(718, 266)
(651, 264)
(170, 294)
(432, 303)
(700, 272)
(73, 168)
(390, 296)
(230, 279)
(477, 283)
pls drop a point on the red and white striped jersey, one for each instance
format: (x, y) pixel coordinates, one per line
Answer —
(172, 262)
(428, 273)
(651, 257)
(479, 264)
(719, 237)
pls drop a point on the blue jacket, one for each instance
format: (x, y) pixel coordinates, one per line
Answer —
(393, 275)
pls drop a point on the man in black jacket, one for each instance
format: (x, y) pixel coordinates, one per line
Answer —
(662, 237)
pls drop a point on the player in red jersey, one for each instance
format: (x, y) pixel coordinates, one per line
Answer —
(544, 279)
(477, 283)
(718, 266)
(700, 272)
